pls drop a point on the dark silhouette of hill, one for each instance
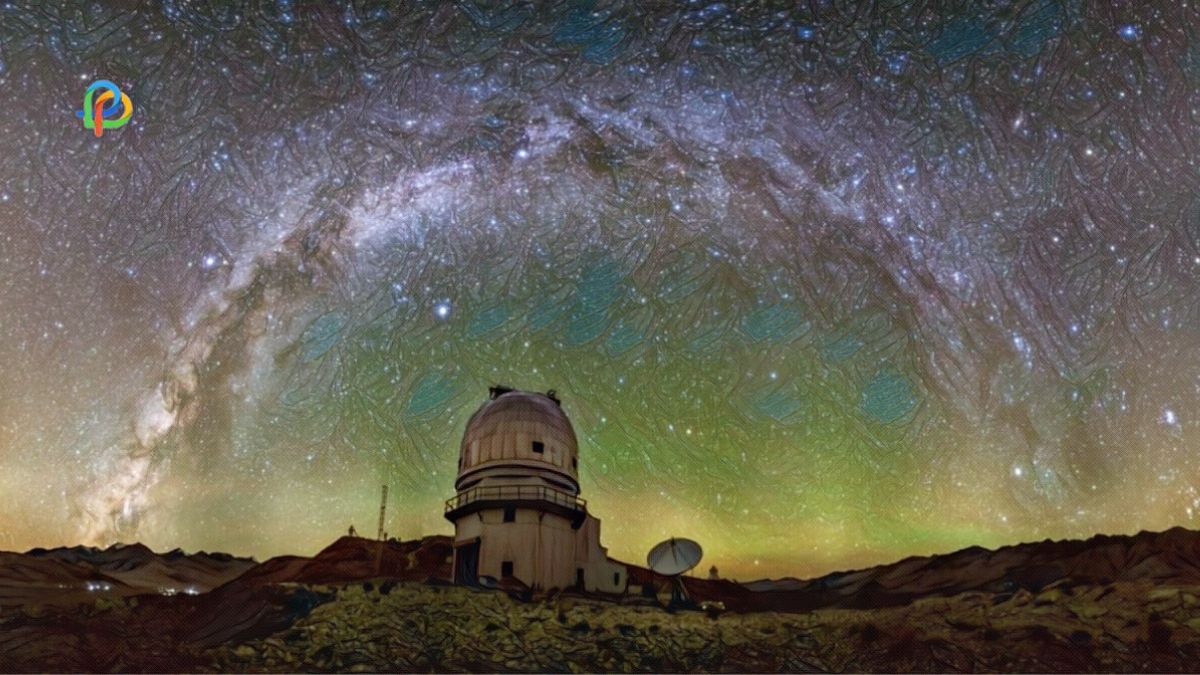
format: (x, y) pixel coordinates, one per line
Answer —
(1169, 557)
(355, 559)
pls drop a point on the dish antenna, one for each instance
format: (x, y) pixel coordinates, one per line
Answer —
(672, 558)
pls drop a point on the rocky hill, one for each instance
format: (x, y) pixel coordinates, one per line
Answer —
(1122, 627)
(356, 558)
(1125, 603)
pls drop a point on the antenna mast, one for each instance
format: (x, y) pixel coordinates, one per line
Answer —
(382, 511)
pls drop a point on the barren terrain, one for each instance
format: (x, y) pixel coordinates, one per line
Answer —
(1106, 604)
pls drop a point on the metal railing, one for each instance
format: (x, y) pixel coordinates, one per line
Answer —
(514, 493)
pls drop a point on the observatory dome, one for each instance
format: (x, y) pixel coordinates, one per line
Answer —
(521, 430)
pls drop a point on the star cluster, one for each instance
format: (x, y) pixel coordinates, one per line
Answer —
(820, 285)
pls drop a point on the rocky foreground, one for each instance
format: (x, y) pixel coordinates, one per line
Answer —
(414, 627)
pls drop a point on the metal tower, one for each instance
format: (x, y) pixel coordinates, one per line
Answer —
(382, 511)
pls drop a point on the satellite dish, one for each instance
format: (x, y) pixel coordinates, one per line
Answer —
(674, 556)
(671, 559)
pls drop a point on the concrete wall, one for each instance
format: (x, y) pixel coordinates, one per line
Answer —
(600, 574)
(546, 553)
(541, 546)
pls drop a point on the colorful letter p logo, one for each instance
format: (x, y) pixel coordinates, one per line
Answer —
(105, 107)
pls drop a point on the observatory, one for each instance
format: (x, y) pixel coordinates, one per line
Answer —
(518, 514)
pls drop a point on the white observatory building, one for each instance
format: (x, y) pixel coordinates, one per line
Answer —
(517, 514)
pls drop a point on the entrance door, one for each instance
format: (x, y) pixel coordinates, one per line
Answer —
(466, 564)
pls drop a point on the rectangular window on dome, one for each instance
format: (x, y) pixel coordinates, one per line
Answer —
(539, 447)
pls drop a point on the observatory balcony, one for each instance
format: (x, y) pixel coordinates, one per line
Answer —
(531, 496)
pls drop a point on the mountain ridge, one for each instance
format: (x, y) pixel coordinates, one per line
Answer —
(69, 574)
(1167, 556)
(974, 548)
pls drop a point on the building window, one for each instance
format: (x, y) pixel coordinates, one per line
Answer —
(506, 569)
(579, 577)
(539, 447)
(616, 578)
(575, 463)
(510, 514)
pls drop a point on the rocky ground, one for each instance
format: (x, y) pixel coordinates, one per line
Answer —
(416, 627)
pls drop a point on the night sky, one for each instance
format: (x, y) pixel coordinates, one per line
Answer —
(820, 286)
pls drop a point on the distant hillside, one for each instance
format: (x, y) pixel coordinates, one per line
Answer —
(69, 574)
(1170, 557)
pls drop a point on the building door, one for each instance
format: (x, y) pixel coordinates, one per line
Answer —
(579, 578)
(466, 564)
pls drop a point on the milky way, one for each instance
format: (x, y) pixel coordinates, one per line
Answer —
(819, 286)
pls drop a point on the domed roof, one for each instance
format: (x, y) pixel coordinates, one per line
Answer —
(520, 428)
